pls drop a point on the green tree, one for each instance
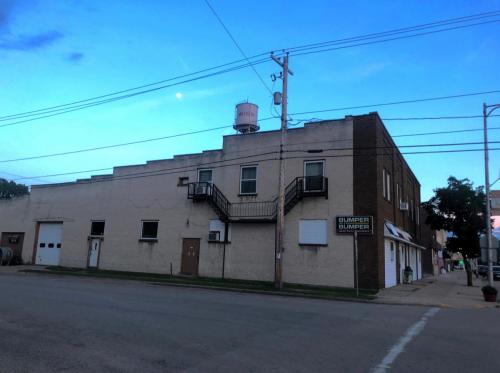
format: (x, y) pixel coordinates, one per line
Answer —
(459, 208)
(9, 189)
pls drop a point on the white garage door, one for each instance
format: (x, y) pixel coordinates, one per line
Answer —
(49, 244)
(390, 264)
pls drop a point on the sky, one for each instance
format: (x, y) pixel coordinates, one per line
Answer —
(55, 52)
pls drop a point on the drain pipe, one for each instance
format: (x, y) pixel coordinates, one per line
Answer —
(226, 228)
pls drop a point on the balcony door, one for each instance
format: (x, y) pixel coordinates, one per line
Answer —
(313, 172)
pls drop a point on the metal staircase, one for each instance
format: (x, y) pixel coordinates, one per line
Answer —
(266, 211)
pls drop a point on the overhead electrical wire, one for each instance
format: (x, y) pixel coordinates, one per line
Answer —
(70, 108)
(96, 148)
(238, 46)
(182, 169)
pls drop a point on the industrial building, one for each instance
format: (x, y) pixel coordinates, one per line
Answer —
(214, 213)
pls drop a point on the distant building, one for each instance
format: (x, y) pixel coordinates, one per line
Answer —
(205, 213)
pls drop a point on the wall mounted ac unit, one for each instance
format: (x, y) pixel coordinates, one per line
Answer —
(214, 236)
(404, 206)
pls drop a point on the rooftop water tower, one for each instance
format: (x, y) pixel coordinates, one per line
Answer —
(245, 120)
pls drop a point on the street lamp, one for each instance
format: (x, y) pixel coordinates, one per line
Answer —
(487, 110)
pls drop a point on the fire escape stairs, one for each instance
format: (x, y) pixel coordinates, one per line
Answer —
(299, 188)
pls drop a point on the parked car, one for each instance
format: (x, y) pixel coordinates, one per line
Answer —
(482, 270)
(5, 255)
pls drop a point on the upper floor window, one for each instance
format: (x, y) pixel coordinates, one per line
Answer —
(248, 180)
(386, 184)
(313, 172)
(205, 176)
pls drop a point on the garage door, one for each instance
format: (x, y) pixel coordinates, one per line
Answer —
(390, 264)
(49, 244)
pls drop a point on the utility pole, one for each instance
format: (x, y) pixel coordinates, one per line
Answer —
(487, 110)
(280, 223)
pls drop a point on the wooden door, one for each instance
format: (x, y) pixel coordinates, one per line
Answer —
(190, 256)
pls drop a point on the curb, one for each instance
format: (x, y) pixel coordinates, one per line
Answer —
(208, 287)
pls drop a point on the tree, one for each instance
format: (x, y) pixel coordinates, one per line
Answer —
(9, 189)
(460, 209)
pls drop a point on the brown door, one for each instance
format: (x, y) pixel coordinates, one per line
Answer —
(190, 256)
(14, 241)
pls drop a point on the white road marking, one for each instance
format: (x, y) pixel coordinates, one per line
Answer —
(411, 333)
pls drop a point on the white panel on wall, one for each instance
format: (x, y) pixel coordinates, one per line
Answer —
(313, 232)
(219, 226)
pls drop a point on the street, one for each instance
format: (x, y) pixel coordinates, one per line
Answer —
(54, 323)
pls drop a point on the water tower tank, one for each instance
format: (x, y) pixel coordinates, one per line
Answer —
(246, 118)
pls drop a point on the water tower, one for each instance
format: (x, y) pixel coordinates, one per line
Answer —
(245, 120)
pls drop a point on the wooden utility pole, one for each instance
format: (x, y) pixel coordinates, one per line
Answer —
(280, 224)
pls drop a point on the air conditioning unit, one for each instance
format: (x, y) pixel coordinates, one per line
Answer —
(404, 206)
(214, 236)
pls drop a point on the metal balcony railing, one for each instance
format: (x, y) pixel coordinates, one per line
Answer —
(300, 187)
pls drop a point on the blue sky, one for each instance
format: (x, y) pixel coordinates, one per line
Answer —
(57, 52)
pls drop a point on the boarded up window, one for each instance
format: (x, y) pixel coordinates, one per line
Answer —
(313, 232)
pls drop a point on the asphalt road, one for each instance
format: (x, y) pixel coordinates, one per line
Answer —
(65, 324)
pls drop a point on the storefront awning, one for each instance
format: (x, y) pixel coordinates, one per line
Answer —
(395, 233)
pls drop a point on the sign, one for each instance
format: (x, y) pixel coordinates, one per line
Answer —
(351, 224)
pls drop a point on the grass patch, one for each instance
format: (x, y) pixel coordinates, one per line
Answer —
(234, 284)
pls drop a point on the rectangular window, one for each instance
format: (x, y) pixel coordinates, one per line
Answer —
(97, 228)
(398, 193)
(417, 212)
(383, 183)
(149, 230)
(411, 210)
(388, 186)
(313, 232)
(205, 176)
(313, 172)
(248, 180)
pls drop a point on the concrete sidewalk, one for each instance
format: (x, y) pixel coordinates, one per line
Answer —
(447, 290)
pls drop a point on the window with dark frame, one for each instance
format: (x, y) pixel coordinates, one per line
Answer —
(313, 172)
(248, 180)
(97, 228)
(149, 230)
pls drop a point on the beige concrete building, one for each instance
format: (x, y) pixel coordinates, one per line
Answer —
(173, 214)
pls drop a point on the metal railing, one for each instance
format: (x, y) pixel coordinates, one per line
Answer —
(266, 210)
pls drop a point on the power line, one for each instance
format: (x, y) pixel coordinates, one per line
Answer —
(444, 22)
(390, 39)
(225, 127)
(398, 102)
(238, 46)
(84, 106)
(183, 169)
(445, 132)
(369, 36)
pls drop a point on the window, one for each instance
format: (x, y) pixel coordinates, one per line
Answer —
(411, 210)
(398, 193)
(383, 183)
(313, 232)
(417, 212)
(149, 230)
(97, 228)
(386, 184)
(248, 181)
(313, 172)
(205, 176)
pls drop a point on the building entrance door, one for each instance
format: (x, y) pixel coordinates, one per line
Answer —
(95, 246)
(190, 256)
